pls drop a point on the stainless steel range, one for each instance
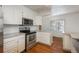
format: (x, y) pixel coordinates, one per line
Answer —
(30, 38)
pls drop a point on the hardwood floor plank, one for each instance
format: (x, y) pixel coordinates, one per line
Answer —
(56, 47)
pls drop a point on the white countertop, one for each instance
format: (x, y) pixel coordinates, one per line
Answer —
(75, 36)
(12, 35)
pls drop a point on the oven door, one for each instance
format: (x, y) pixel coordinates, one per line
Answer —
(31, 40)
(27, 39)
(32, 37)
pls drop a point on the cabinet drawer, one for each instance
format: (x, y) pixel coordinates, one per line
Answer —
(10, 45)
(10, 39)
(13, 50)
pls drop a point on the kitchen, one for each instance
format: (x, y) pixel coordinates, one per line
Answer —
(15, 18)
(23, 28)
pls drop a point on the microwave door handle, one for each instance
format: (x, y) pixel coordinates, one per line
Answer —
(22, 22)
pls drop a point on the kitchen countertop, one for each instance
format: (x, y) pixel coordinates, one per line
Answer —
(6, 36)
(75, 36)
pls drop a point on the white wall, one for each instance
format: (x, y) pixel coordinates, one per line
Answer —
(71, 23)
(46, 24)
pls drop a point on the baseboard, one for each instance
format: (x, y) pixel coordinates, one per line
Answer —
(67, 51)
(57, 37)
(23, 51)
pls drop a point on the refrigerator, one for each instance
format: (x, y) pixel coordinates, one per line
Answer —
(1, 30)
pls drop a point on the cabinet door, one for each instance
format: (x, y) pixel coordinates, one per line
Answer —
(18, 14)
(10, 47)
(21, 43)
(44, 38)
(12, 14)
(67, 42)
(38, 20)
(8, 14)
(25, 12)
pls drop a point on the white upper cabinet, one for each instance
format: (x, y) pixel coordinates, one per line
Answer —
(24, 13)
(27, 13)
(12, 14)
(38, 20)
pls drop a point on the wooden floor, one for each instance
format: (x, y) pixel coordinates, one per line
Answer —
(56, 47)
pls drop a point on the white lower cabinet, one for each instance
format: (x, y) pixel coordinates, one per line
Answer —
(21, 43)
(67, 42)
(14, 44)
(44, 37)
(10, 46)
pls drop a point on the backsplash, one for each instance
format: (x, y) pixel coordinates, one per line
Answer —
(15, 28)
(31, 28)
(10, 29)
(35, 28)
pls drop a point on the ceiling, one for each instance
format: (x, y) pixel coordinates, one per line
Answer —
(54, 9)
(40, 8)
(64, 9)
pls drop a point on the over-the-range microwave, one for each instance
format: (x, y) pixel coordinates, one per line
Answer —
(27, 21)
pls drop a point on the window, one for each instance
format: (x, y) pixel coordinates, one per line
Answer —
(57, 26)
